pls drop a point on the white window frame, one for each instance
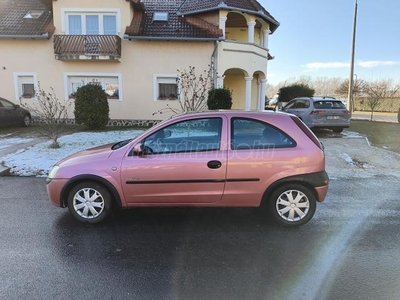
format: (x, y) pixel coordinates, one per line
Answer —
(18, 83)
(104, 75)
(165, 78)
(65, 12)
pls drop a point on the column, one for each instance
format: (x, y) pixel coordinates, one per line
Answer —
(266, 37)
(261, 104)
(247, 105)
(250, 26)
(220, 81)
(222, 23)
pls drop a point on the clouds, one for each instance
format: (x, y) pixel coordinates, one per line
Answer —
(377, 63)
(339, 65)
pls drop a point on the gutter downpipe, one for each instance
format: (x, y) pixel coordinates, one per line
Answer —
(33, 37)
(214, 65)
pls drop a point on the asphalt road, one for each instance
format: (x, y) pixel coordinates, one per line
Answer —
(350, 250)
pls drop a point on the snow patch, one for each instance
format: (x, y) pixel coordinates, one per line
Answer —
(39, 159)
(7, 142)
(347, 158)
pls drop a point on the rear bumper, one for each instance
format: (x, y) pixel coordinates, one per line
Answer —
(321, 192)
(325, 124)
(320, 182)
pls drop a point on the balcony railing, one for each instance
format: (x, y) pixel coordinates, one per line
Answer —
(83, 47)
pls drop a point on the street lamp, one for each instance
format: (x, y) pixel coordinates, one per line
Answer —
(351, 87)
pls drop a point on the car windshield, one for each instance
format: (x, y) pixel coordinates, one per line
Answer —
(329, 104)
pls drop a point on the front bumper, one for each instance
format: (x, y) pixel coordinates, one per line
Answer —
(54, 188)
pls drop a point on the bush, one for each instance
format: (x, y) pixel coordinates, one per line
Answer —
(290, 92)
(91, 106)
(219, 99)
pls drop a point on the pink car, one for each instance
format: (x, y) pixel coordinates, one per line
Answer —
(208, 159)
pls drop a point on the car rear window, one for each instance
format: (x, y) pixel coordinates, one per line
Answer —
(307, 131)
(329, 104)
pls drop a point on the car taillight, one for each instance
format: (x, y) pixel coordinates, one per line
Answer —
(346, 112)
(317, 112)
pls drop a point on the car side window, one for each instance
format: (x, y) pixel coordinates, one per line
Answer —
(7, 104)
(188, 136)
(290, 105)
(302, 104)
(254, 134)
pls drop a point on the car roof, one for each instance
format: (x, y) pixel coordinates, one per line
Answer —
(235, 112)
(319, 98)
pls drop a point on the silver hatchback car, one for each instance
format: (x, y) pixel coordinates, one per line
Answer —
(320, 112)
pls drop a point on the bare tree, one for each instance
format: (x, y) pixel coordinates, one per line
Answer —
(323, 86)
(193, 91)
(378, 90)
(358, 89)
(52, 115)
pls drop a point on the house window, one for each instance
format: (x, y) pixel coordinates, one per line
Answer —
(34, 14)
(91, 23)
(166, 87)
(110, 84)
(25, 85)
(160, 16)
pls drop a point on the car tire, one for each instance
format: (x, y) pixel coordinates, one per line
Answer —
(337, 130)
(89, 202)
(26, 121)
(292, 205)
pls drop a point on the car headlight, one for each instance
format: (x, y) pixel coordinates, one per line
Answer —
(52, 173)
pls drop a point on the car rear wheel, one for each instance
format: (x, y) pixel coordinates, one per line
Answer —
(26, 121)
(337, 130)
(89, 202)
(292, 205)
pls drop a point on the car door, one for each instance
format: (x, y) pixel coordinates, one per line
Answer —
(302, 109)
(256, 158)
(182, 163)
(9, 113)
(2, 114)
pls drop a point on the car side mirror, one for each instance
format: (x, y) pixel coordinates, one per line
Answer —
(16, 106)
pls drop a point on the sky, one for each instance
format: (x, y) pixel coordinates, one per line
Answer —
(315, 36)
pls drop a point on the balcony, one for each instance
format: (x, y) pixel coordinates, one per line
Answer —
(245, 56)
(87, 47)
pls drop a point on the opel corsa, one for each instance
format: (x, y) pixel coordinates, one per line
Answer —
(207, 159)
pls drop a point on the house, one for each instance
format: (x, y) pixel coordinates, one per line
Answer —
(133, 49)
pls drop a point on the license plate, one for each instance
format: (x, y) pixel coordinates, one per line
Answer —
(333, 117)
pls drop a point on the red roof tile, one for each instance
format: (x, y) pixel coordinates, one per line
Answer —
(182, 21)
(14, 25)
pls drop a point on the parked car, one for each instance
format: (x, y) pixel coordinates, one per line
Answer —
(11, 114)
(208, 159)
(320, 112)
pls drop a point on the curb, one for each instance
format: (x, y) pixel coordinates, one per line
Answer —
(4, 171)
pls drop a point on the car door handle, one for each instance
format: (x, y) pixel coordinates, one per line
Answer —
(214, 164)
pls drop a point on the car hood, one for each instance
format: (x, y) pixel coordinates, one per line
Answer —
(88, 155)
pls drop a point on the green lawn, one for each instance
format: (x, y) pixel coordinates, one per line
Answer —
(380, 134)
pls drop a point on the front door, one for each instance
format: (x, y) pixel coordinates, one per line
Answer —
(182, 163)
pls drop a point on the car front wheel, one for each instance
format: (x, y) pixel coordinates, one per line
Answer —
(89, 202)
(292, 205)
(26, 121)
